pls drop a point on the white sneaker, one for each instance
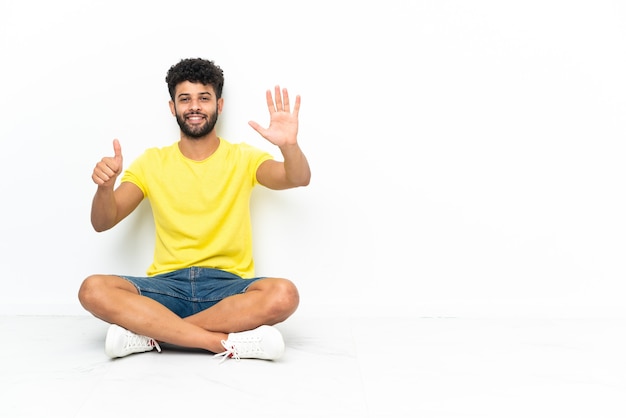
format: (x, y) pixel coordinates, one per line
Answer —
(264, 342)
(121, 342)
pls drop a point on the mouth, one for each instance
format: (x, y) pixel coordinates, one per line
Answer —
(195, 118)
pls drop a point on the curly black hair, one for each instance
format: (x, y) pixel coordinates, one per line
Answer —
(195, 70)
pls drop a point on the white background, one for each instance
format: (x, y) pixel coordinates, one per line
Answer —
(467, 156)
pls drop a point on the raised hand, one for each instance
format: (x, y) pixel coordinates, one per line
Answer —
(107, 170)
(283, 129)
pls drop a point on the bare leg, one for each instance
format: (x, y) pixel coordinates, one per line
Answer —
(265, 302)
(116, 301)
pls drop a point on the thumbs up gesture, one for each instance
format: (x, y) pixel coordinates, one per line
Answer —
(107, 170)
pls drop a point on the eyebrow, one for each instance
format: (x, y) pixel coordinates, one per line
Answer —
(204, 93)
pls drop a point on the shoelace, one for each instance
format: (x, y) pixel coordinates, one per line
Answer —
(134, 340)
(235, 350)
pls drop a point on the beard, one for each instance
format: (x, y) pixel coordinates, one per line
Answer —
(196, 131)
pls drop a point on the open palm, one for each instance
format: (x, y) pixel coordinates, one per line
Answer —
(283, 129)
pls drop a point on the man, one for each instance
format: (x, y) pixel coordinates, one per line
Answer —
(201, 291)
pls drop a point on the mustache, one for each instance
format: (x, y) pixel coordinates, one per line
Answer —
(191, 113)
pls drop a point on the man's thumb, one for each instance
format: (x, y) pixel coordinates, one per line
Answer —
(117, 148)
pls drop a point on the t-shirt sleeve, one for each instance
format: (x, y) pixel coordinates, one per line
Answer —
(256, 157)
(135, 174)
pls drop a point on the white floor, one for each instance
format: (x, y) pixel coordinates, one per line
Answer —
(346, 367)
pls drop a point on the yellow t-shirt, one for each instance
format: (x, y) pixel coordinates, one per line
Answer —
(201, 209)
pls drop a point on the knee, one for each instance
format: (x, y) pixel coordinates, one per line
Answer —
(285, 299)
(90, 291)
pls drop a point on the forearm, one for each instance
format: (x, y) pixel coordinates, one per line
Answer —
(103, 209)
(297, 170)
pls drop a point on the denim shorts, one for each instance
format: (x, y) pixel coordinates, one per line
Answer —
(191, 290)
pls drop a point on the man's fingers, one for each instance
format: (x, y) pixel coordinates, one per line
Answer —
(285, 100)
(117, 148)
(109, 167)
(270, 101)
(102, 173)
(279, 100)
(296, 107)
(97, 179)
(256, 127)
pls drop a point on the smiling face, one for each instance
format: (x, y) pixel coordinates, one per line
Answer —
(196, 108)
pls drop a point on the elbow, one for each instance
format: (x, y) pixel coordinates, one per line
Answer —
(100, 226)
(305, 179)
(305, 182)
(302, 181)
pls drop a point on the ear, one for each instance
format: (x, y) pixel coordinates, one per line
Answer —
(220, 105)
(172, 108)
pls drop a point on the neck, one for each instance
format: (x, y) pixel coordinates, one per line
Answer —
(199, 149)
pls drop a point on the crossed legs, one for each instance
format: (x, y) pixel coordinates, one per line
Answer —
(115, 300)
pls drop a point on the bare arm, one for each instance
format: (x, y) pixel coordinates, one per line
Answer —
(110, 206)
(294, 171)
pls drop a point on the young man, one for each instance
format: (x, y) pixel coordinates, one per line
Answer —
(201, 291)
